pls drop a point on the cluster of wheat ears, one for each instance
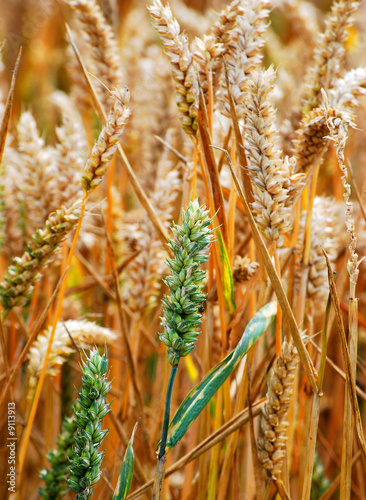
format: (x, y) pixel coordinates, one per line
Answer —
(182, 202)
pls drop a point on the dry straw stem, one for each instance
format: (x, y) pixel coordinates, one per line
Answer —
(140, 193)
(101, 41)
(350, 379)
(126, 340)
(107, 143)
(176, 47)
(213, 173)
(83, 333)
(8, 106)
(26, 270)
(340, 138)
(277, 287)
(30, 341)
(330, 53)
(272, 437)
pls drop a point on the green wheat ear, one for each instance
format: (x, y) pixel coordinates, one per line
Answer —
(55, 476)
(183, 309)
(90, 409)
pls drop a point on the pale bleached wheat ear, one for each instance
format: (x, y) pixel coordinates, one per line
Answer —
(100, 39)
(176, 47)
(106, 145)
(272, 437)
(346, 91)
(303, 17)
(325, 233)
(34, 161)
(329, 53)
(146, 271)
(244, 43)
(14, 233)
(72, 146)
(84, 333)
(26, 270)
(271, 177)
(220, 35)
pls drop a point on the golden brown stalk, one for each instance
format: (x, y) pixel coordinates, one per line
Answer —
(176, 48)
(340, 138)
(100, 39)
(329, 53)
(108, 140)
(244, 43)
(84, 333)
(26, 270)
(271, 442)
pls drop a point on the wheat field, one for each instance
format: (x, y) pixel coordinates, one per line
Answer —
(182, 235)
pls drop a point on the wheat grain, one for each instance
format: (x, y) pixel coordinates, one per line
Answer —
(99, 38)
(329, 53)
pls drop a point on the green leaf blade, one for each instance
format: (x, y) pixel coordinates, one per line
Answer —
(126, 472)
(202, 393)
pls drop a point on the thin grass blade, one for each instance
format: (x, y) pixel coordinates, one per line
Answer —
(126, 472)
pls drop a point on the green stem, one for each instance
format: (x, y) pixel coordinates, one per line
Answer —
(167, 411)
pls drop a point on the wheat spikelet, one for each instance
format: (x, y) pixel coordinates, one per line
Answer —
(310, 145)
(243, 268)
(26, 270)
(101, 42)
(346, 91)
(104, 149)
(148, 268)
(244, 43)
(330, 53)
(303, 17)
(208, 53)
(176, 48)
(13, 230)
(84, 333)
(325, 232)
(35, 159)
(270, 175)
(271, 442)
(65, 186)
